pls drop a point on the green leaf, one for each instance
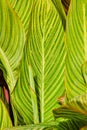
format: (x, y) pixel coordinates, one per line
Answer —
(68, 113)
(78, 103)
(41, 126)
(84, 71)
(33, 96)
(43, 51)
(11, 43)
(60, 124)
(23, 8)
(78, 120)
(21, 96)
(5, 120)
(76, 42)
(59, 7)
(46, 48)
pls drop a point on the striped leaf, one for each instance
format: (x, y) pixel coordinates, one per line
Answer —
(78, 104)
(76, 42)
(5, 120)
(23, 9)
(60, 124)
(21, 96)
(11, 43)
(59, 7)
(33, 97)
(78, 120)
(43, 51)
(41, 126)
(46, 47)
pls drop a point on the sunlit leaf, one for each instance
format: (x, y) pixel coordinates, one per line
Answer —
(78, 120)
(60, 124)
(11, 43)
(59, 7)
(5, 120)
(46, 47)
(21, 96)
(79, 103)
(41, 126)
(33, 96)
(76, 41)
(23, 8)
(43, 51)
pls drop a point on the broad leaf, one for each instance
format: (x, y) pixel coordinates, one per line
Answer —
(41, 126)
(76, 41)
(21, 96)
(59, 7)
(33, 97)
(5, 120)
(46, 48)
(11, 43)
(23, 9)
(60, 124)
(43, 51)
(79, 119)
(78, 103)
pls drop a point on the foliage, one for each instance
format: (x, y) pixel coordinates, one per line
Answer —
(43, 57)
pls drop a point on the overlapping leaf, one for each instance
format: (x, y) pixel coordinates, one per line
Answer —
(78, 103)
(76, 41)
(76, 64)
(41, 126)
(66, 4)
(59, 124)
(59, 7)
(77, 119)
(11, 43)
(44, 50)
(5, 120)
(35, 94)
(46, 47)
(21, 97)
(23, 9)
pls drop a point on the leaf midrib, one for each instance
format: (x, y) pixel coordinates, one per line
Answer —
(43, 69)
(42, 88)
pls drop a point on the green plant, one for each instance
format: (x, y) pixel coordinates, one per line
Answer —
(43, 58)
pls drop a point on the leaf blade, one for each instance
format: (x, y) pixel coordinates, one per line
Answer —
(41, 53)
(23, 10)
(76, 49)
(44, 40)
(77, 118)
(11, 32)
(33, 97)
(5, 120)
